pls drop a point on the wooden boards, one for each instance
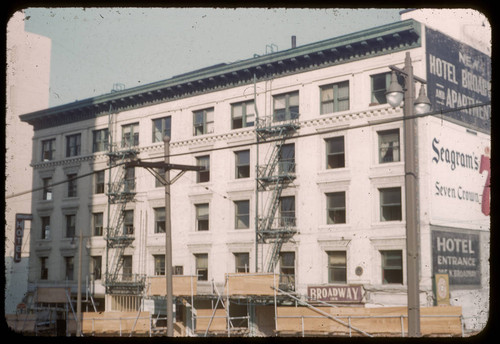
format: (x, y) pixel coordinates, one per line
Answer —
(182, 285)
(251, 284)
(21, 322)
(218, 321)
(52, 295)
(444, 320)
(115, 323)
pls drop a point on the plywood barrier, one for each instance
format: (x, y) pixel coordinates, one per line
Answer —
(52, 295)
(21, 322)
(251, 284)
(182, 285)
(375, 321)
(114, 323)
(219, 320)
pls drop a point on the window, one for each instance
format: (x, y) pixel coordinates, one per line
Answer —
(48, 149)
(130, 135)
(100, 140)
(45, 227)
(72, 185)
(70, 225)
(202, 211)
(97, 223)
(337, 267)
(242, 115)
(335, 152)
(287, 211)
(129, 179)
(336, 208)
(287, 271)
(159, 220)
(242, 262)
(159, 182)
(392, 267)
(159, 264)
(96, 267)
(380, 83)
(99, 182)
(390, 204)
(69, 268)
(335, 97)
(161, 128)
(202, 266)
(242, 216)
(44, 270)
(286, 106)
(178, 270)
(127, 268)
(286, 158)
(203, 122)
(388, 146)
(128, 222)
(73, 145)
(203, 176)
(47, 189)
(242, 164)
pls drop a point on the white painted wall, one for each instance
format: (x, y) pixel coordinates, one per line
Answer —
(27, 80)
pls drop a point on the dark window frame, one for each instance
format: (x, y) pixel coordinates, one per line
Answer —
(337, 266)
(337, 100)
(162, 126)
(242, 168)
(237, 121)
(390, 211)
(73, 145)
(336, 213)
(335, 152)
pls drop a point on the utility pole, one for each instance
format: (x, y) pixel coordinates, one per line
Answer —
(395, 96)
(79, 287)
(168, 242)
(411, 205)
(168, 226)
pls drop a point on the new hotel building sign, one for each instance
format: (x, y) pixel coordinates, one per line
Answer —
(457, 76)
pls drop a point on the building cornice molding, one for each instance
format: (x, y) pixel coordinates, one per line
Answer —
(365, 44)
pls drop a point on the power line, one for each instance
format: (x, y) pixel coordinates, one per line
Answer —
(333, 130)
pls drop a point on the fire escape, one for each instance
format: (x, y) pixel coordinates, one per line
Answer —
(276, 223)
(119, 278)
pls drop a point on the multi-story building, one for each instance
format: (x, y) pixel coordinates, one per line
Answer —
(26, 77)
(304, 176)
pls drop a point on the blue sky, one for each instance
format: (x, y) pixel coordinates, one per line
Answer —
(94, 48)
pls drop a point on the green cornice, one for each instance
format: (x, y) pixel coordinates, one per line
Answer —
(347, 48)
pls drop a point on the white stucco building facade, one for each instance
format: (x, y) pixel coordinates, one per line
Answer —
(346, 161)
(27, 77)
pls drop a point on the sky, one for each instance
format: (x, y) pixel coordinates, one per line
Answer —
(95, 48)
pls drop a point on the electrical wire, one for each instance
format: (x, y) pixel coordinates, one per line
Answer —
(333, 130)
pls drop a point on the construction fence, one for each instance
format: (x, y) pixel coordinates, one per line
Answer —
(248, 305)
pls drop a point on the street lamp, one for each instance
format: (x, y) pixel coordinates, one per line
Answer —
(395, 95)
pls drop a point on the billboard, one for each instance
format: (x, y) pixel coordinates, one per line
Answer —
(458, 76)
(459, 176)
(457, 255)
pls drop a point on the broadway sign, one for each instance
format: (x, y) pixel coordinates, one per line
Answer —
(336, 293)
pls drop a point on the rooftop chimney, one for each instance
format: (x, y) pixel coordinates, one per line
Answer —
(294, 42)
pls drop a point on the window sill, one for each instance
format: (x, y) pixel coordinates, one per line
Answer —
(388, 169)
